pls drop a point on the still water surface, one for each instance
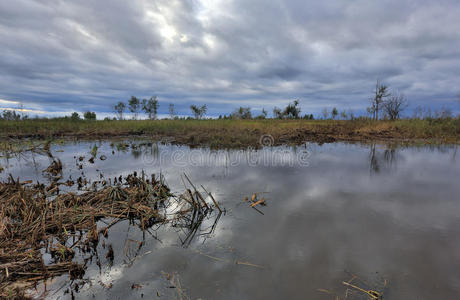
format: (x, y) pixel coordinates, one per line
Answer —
(388, 215)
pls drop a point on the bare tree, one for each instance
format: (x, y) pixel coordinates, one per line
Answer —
(198, 111)
(241, 113)
(334, 113)
(325, 113)
(444, 113)
(292, 110)
(277, 113)
(134, 105)
(172, 113)
(195, 110)
(119, 109)
(150, 107)
(381, 93)
(263, 114)
(394, 105)
(21, 109)
(351, 114)
(418, 112)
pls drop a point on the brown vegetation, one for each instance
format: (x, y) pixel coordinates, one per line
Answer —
(35, 217)
(242, 133)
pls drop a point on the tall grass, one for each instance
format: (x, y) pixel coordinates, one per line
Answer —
(241, 130)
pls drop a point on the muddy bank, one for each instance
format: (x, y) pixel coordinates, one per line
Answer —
(254, 139)
(242, 133)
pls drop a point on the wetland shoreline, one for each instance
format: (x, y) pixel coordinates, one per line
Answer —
(241, 133)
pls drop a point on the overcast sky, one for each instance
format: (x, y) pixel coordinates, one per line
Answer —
(62, 56)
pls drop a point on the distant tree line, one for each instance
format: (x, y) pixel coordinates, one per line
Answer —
(10, 115)
(384, 104)
(88, 115)
(135, 105)
(291, 111)
(150, 108)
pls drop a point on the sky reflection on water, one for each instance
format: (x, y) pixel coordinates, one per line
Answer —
(376, 211)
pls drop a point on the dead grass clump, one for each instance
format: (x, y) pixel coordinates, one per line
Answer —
(36, 217)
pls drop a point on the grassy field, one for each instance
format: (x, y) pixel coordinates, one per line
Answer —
(235, 133)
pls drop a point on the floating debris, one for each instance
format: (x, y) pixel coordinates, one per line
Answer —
(136, 286)
(55, 168)
(174, 281)
(261, 202)
(255, 202)
(372, 294)
(236, 262)
(357, 288)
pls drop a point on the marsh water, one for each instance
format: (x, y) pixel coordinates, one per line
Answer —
(388, 215)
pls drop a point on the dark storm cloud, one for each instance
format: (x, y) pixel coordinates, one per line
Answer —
(61, 56)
